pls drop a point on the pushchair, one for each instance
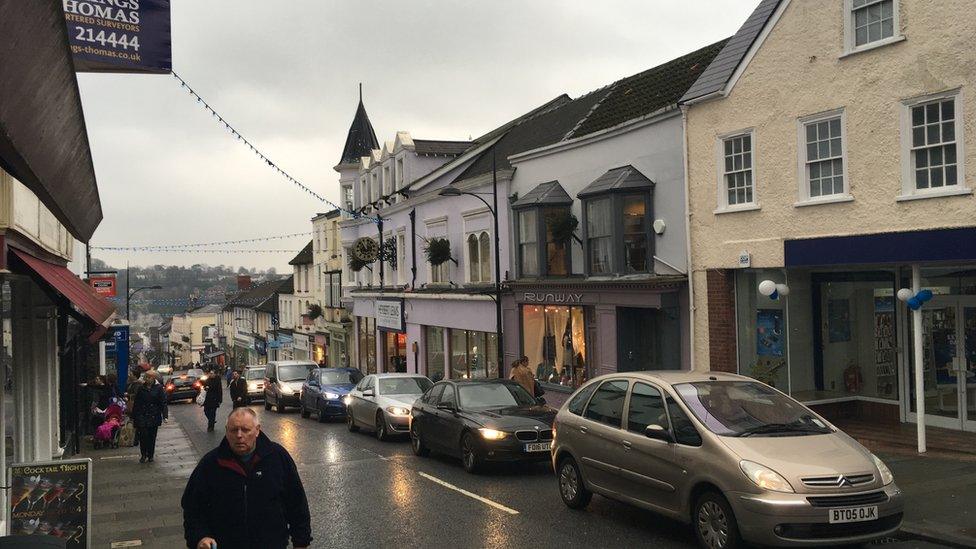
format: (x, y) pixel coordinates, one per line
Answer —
(107, 434)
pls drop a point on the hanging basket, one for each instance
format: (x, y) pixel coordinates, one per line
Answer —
(356, 264)
(438, 251)
(562, 226)
(314, 311)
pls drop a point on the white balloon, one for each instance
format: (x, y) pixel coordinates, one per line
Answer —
(767, 287)
(783, 289)
(905, 294)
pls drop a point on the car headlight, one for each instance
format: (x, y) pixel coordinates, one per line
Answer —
(331, 396)
(764, 477)
(398, 410)
(886, 476)
(492, 434)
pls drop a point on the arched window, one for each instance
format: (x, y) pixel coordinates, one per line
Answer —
(474, 263)
(485, 257)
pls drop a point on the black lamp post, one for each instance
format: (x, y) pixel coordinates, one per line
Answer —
(493, 208)
(129, 295)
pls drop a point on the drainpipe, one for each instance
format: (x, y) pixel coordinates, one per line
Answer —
(919, 380)
(379, 226)
(413, 248)
(689, 269)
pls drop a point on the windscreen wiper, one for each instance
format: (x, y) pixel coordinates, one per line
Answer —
(770, 428)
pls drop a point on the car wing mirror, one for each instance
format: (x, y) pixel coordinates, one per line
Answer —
(540, 400)
(447, 406)
(657, 432)
(272, 380)
(369, 393)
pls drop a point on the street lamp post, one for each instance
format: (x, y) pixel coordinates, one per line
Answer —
(493, 208)
(130, 293)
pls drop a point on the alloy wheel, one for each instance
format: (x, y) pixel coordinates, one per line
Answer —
(380, 427)
(568, 482)
(713, 525)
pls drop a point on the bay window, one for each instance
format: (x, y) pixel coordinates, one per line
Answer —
(546, 227)
(617, 222)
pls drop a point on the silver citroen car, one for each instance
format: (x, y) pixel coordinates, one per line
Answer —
(736, 458)
(381, 403)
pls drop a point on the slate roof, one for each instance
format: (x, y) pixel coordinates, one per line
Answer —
(206, 310)
(304, 257)
(440, 148)
(287, 286)
(718, 73)
(269, 303)
(546, 194)
(361, 139)
(620, 179)
(259, 296)
(648, 91)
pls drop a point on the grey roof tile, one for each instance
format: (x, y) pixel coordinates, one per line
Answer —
(545, 194)
(624, 178)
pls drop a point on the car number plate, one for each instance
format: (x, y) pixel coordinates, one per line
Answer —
(853, 514)
(538, 447)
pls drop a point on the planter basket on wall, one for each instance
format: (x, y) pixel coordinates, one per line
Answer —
(562, 225)
(314, 311)
(438, 251)
(356, 264)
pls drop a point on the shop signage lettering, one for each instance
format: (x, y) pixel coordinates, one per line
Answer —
(389, 315)
(301, 342)
(119, 35)
(552, 298)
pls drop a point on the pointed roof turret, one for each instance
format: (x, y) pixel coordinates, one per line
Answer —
(361, 138)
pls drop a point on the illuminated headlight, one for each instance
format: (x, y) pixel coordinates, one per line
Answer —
(203, 377)
(492, 434)
(886, 476)
(252, 386)
(398, 411)
(764, 477)
(347, 400)
(331, 396)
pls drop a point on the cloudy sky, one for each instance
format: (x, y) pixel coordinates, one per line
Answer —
(286, 75)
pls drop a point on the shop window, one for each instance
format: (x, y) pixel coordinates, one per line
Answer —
(474, 355)
(367, 344)
(434, 352)
(761, 328)
(554, 340)
(607, 404)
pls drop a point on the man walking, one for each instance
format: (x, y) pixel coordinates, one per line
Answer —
(246, 493)
(212, 401)
(238, 390)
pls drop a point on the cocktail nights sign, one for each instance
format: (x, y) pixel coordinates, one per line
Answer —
(119, 35)
(51, 499)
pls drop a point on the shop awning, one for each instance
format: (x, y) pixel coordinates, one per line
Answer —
(213, 355)
(938, 245)
(83, 297)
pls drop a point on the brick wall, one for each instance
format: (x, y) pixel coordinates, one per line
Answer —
(721, 319)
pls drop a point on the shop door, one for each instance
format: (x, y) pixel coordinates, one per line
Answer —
(949, 363)
(636, 337)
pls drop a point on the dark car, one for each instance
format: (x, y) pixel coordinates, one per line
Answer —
(283, 380)
(182, 387)
(324, 392)
(482, 421)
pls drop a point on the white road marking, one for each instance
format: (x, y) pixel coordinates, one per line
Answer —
(381, 456)
(126, 456)
(131, 543)
(486, 501)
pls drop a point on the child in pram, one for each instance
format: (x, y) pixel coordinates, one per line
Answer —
(108, 432)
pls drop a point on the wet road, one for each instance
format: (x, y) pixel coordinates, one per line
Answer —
(367, 493)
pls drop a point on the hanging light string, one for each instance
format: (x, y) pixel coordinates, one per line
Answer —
(156, 247)
(261, 155)
(197, 251)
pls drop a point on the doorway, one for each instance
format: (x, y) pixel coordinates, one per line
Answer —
(395, 352)
(648, 339)
(948, 363)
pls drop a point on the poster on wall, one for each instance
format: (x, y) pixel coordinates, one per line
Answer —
(131, 36)
(769, 332)
(838, 320)
(51, 499)
(884, 339)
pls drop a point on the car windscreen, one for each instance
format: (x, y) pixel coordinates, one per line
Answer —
(745, 408)
(493, 395)
(254, 373)
(293, 372)
(404, 385)
(194, 373)
(340, 377)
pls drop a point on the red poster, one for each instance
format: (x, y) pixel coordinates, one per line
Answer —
(103, 285)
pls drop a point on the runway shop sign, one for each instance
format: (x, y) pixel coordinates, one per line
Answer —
(119, 35)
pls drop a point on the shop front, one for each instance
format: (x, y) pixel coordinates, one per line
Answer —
(300, 346)
(320, 343)
(572, 331)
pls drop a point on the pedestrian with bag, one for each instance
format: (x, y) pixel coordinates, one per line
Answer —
(524, 377)
(148, 411)
(246, 493)
(238, 390)
(214, 397)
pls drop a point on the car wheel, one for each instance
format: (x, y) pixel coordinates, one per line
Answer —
(321, 415)
(305, 412)
(714, 523)
(571, 487)
(469, 454)
(380, 432)
(267, 405)
(351, 423)
(417, 443)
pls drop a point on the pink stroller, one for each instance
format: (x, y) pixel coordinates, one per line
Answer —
(107, 434)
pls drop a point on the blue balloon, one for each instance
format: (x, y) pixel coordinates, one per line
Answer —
(914, 303)
(775, 295)
(924, 295)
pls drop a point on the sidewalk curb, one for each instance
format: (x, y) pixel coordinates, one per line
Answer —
(937, 536)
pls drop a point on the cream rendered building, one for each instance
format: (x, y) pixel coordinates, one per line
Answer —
(825, 150)
(333, 328)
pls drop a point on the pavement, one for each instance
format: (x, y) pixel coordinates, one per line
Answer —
(366, 493)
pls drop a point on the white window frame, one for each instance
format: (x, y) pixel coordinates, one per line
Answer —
(722, 191)
(849, 38)
(908, 190)
(401, 240)
(803, 174)
(476, 279)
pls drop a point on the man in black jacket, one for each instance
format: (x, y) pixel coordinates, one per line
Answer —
(246, 494)
(238, 390)
(215, 395)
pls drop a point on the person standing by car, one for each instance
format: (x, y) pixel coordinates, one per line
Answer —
(523, 375)
(212, 401)
(148, 412)
(238, 390)
(246, 493)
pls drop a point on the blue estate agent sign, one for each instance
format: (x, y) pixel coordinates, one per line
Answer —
(119, 35)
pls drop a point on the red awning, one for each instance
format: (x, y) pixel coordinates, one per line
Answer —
(83, 297)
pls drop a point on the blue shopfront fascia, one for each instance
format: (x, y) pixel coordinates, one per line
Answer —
(937, 245)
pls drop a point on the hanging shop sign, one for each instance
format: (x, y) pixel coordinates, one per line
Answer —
(103, 285)
(389, 315)
(301, 342)
(366, 249)
(51, 498)
(120, 35)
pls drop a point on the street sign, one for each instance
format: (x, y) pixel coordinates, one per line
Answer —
(51, 498)
(103, 285)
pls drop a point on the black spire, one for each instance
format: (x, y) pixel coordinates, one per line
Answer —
(361, 138)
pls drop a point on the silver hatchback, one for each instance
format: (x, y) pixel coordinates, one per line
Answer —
(737, 459)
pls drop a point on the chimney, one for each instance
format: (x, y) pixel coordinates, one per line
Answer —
(243, 282)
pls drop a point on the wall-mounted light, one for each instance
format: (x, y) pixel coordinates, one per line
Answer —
(659, 226)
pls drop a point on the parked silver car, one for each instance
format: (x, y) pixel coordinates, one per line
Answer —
(737, 459)
(381, 403)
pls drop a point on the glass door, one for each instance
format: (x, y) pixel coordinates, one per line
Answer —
(967, 363)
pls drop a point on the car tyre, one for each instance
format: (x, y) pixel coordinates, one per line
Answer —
(714, 522)
(469, 454)
(267, 405)
(380, 432)
(351, 423)
(321, 415)
(417, 443)
(571, 487)
(305, 412)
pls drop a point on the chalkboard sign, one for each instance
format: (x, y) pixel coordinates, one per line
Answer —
(52, 498)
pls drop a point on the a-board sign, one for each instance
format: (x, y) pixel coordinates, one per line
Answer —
(52, 498)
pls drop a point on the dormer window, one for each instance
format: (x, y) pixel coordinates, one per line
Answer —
(617, 216)
(544, 227)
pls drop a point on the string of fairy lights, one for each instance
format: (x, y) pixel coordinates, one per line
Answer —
(164, 247)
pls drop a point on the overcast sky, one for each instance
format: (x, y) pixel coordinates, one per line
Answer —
(286, 75)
